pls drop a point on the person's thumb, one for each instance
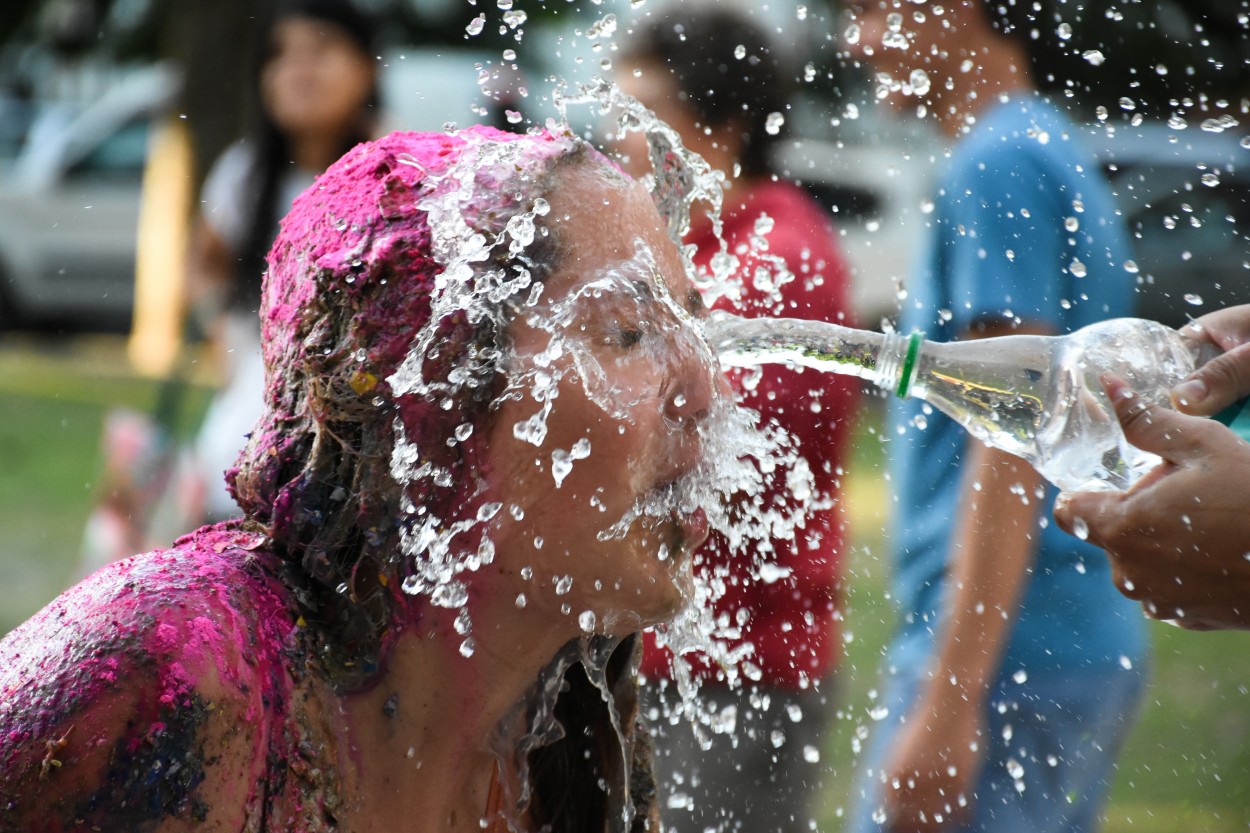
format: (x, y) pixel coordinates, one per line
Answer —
(1080, 513)
(1153, 427)
(1216, 385)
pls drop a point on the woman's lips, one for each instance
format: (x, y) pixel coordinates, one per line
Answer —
(694, 528)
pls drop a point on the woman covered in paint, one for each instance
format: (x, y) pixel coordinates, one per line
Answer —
(472, 485)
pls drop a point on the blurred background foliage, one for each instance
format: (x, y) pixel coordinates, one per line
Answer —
(1156, 57)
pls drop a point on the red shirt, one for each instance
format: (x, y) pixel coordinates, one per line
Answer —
(791, 619)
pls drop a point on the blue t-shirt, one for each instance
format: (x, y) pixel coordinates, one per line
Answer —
(1024, 228)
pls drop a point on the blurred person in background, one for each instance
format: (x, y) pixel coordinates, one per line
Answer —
(1016, 670)
(716, 78)
(316, 97)
(1179, 539)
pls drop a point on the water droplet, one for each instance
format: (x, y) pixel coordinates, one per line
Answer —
(515, 18)
(1211, 179)
(811, 754)
(476, 25)
(878, 713)
(1064, 31)
(586, 621)
(1014, 769)
(851, 35)
(778, 738)
(605, 27)
(563, 585)
(1245, 141)
(1071, 224)
(1021, 677)
(513, 116)
(1127, 103)
(1094, 57)
(1193, 299)
(521, 601)
(1219, 124)
(773, 123)
(527, 573)
(764, 224)
(1177, 123)
(1080, 528)
(1126, 663)
(919, 81)
(920, 422)
(740, 52)
(509, 54)
(1077, 268)
(1131, 267)
(468, 647)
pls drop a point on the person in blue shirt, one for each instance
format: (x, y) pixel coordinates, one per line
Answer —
(1016, 668)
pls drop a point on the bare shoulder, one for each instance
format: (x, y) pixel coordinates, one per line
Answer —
(141, 698)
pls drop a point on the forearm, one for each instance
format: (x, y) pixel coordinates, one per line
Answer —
(991, 554)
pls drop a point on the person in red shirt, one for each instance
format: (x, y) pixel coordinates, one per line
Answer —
(715, 78)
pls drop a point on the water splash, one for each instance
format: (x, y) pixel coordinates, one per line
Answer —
(486, 277)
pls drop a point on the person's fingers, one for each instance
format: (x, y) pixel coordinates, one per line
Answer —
(1216, 385)
(1082, 514)
(1226, 328)
(1152, 427)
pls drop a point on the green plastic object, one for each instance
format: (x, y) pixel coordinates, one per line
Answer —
(914, 343)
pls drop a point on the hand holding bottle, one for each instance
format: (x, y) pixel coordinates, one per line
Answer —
(1178, 539)
(1225, 378)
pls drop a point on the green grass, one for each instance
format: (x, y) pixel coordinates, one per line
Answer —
(53, 399)
(1185, 770)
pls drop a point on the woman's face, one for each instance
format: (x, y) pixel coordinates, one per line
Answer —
(316, 80)
(612, 349)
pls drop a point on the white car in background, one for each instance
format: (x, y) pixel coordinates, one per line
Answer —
(69, 207)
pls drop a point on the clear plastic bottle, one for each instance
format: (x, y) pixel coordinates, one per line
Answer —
(1038, 397)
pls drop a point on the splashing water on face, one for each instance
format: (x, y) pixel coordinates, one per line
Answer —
(482, 242)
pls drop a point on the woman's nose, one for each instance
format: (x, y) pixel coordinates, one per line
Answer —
(690, 401)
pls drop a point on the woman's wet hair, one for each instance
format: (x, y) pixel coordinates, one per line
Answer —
(700, 47)
(352, 279)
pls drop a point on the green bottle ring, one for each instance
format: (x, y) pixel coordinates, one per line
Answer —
(909, 364)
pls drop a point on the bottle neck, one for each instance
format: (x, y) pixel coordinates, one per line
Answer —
(897, 361)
